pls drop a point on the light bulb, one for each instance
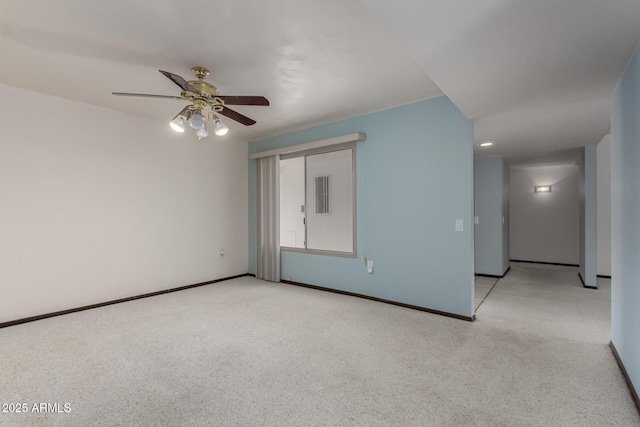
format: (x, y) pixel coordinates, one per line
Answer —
(197, 121)
(177, 123)
(221, 129)
(202, 133)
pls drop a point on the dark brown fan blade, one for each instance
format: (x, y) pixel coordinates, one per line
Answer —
(184, 85)
(146, 95)
(244, 100)
(234, 115)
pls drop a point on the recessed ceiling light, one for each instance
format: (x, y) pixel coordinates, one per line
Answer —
(486, 143)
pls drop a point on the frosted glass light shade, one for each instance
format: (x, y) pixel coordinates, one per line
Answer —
(197, 121)
(177, 124)
(221, 128)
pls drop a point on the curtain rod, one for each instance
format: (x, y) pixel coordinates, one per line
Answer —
(358, 136)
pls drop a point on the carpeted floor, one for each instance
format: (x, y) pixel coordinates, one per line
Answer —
(483, 286)
(252, 353)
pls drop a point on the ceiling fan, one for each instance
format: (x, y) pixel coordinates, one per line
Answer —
(201, 95)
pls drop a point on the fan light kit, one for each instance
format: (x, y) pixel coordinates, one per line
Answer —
(203, 95)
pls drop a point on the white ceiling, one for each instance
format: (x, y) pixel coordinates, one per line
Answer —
(535, 76)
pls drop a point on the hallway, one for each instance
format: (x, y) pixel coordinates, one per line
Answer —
(545, 300)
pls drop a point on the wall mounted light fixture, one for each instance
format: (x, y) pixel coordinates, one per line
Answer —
(542, 189)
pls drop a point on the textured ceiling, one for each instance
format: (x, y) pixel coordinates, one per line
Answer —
(535, 76)
(316, 61)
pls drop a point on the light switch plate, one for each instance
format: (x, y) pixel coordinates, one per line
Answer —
(459, 225)
(370, 267)
(476, 220)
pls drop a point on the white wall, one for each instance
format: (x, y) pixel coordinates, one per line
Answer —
(603, 158)
(98, 205)
(544, 226)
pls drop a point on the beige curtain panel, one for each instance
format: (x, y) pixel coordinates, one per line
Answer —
(268, 173)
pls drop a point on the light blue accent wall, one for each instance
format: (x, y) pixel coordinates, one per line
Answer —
(491, 192)
(414, 179)
(625, 219)
(587, 185)
(506, 227)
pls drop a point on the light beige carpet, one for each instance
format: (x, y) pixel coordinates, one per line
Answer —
(246, 352)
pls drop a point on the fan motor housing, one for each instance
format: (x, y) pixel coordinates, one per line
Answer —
(202, 86)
